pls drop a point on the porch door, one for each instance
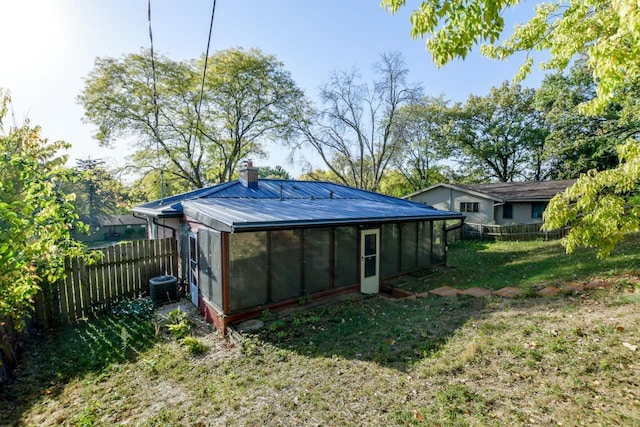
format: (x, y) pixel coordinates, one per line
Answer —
(370, 261)
(193, 268)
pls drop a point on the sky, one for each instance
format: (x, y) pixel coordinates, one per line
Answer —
(48, 47)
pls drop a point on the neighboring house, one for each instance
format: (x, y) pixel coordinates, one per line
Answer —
(116, 227)
(496, 203)
(253, 244)
(122, 227)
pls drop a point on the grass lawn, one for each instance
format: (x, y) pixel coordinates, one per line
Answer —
(567, 360)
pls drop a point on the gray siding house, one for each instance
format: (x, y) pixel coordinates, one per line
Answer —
(501, 203)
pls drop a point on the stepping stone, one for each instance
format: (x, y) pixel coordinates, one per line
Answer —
(410, 298)
(549, 291)
(423, 294)
(446, 291)
(509, 292)
(400, 293)
(573, 288)
(477, 292)
(597, 284)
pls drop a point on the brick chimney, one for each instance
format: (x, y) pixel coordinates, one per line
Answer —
(249, 176)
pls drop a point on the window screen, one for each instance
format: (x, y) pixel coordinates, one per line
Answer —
(390, 241)
(248, 270)
(210, 266)
(285, 264)
(317, 276)
(424, 244)
(437, 249)
(346, 256)
(408, 246)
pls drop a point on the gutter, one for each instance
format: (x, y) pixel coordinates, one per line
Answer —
(173, 231)
(155, 221)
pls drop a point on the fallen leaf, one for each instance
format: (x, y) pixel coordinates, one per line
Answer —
(630, 346)
(417, 415)
(620, 328)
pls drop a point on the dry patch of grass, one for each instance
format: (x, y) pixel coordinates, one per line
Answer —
(371, 361)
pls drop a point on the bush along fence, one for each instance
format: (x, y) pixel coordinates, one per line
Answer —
(511, 232)
(118, 272)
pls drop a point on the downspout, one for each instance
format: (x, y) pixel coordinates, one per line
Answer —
(154, 221)
(173, 231)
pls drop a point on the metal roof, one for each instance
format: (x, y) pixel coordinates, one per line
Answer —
(522, 191)
(504, 192)
(288, 203)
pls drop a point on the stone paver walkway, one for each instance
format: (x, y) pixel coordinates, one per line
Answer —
(506, 292)
(512, 292)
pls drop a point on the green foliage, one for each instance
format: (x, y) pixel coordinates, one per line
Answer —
(248, 98)
(607, 33)
(500, 136)
(179, 324)
(421, 128)
(277, 172)
(601, 207)
(194, 346)
(579, 142)
(36, 217)
(142, 308)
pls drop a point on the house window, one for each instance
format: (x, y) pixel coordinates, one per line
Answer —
(537, 209)
(469, 206)
(507, 211)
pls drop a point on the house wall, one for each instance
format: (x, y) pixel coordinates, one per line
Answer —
(449, 199)
(521, 214)
(266, 268)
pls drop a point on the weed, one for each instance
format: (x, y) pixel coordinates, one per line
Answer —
(141, 308)
(179, 324)
(194, 346)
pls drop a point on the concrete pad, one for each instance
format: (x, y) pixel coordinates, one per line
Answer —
(572, 288)
(509, 292)
(446, 291)
(477, 292)
(549, 291)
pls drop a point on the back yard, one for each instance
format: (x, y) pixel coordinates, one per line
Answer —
(570, 359)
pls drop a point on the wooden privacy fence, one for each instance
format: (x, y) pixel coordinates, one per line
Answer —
(121, 271)
(511, 232)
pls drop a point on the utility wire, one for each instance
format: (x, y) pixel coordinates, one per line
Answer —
(204, 72)
(155, 102)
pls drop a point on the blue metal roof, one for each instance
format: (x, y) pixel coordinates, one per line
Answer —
(286, 203)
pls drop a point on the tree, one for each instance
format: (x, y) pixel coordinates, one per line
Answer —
(608, 34)
(422, 129)
(579, 142)
(601, 207)
(36, 217)
(277, 172)
(248, 97)
(353, 132)
(500, 136)
(97, 193)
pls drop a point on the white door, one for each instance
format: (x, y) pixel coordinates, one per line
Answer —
(370, 261)
(193, 269)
